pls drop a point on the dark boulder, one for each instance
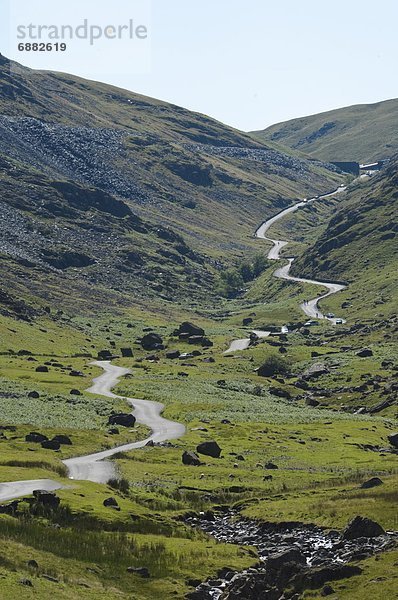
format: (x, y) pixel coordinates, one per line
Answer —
(36, 438)
(41, 369)
(9, 509)
(50, 445)
(46, 498)
(105, 355)
(206, 343)
(110, 502)
(312, 402)
(270, 466)
(151, 341)
(183, 337)
(75, 392)
(246, 321)
(371, 483)
(362, 527)
(195, 339)
(124, 419)
(281, 393)
(33, 395)
(62, 439)
(190, 458)
(364, 352)
(74, 373)
(393, 439)
(277, 561)
(316, 577)
(126, 352)
(190, 329)
(315, 371)
(173, 354)
(210, 448)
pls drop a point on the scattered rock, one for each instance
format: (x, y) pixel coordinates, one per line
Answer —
(312, 402)
(195, 339)
(327, 590)
(32, 564)
(33, 395)
(362, 527)
(364, 352)
(105, 355)
(50, 445)
(123, 419)
(75, 392)
(314, 371)
(393, 439)
(247, 321)
(210, 448)
(26, 582)
(62, 439)
(36, 438)
(279, 560)
(152, 341)
(9, 509)
(371, 483)
(110, 502)
(190, 329)
(190, 458)
(41, 369)
(74, 373)
(173, 354)
(126, 352)
(280, 393)
(270, 465)
(46, 498)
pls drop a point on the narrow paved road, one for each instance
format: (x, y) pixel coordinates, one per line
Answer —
(311, 308)
(244, 343)
(95, 467)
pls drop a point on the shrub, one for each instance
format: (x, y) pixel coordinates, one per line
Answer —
(274, 365)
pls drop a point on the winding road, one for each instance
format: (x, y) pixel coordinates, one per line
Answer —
(95, 467)
(310, 308)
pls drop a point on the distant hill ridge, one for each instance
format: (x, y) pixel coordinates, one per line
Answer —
(362, 133)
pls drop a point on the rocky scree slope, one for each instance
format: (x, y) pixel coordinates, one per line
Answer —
(171, 166)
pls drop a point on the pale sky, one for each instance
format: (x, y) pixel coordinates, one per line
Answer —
(248, 63)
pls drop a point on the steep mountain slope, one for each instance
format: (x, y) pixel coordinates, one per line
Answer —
(359, 246)
(364, 132)
(100, 186)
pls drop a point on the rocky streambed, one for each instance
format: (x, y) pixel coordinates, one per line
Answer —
(292, 556)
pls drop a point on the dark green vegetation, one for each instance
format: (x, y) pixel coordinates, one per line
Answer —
(123, 214)
(363, 133)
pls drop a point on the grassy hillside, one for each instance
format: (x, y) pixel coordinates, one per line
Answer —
(363, 133)
(359, 246)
